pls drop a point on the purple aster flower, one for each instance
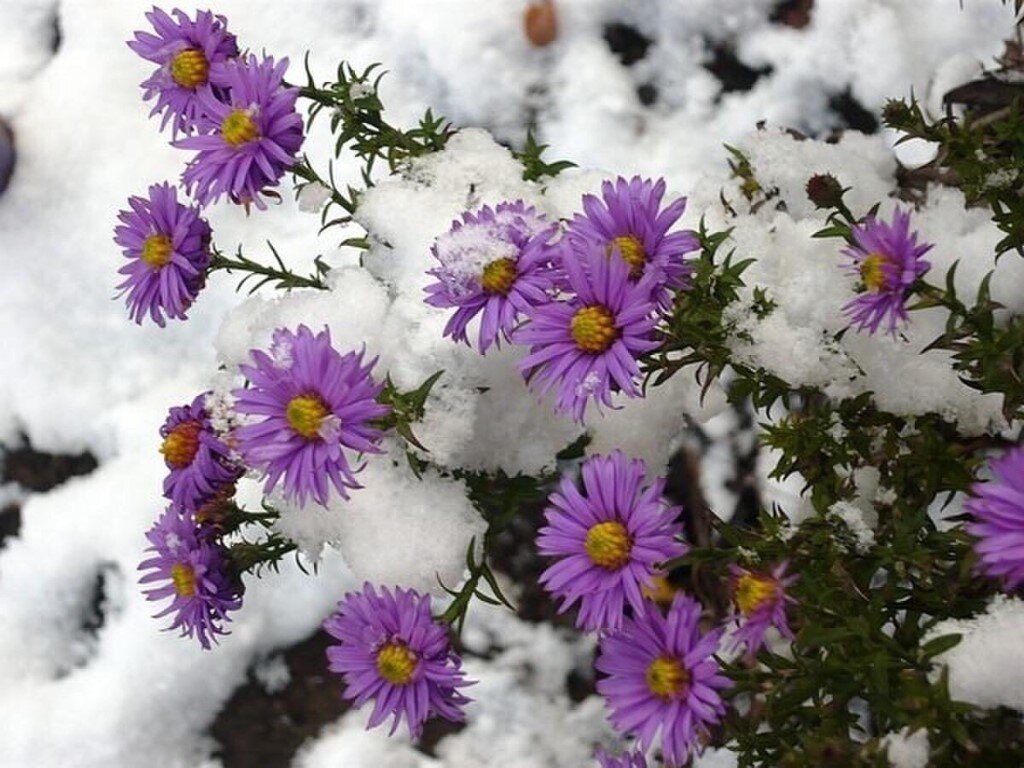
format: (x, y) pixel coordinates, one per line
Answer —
(887, 259)
(588, 346)
(193, 570)
(188, 54)
(760, 600)
(247, 142)
(610, 539)
(167, 245)
(309, 402)
(662, 677)
(997, 507)
(628, 760)
(494, 262)
(628, 219)
(392, 651)
(198, 460)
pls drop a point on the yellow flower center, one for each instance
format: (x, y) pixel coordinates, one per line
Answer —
(396, 663)
(184, 579)
(632, 252)
(498, 276)
(667, 678)
(238, 128)
(661, 590)
(189, 68)
(752, 591)
(305, 414)
(180, 446)
(608, 545)
(593, 329)
(156, 250)
(872, 271)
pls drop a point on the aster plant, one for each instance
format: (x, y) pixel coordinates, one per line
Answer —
(308, 405)
(392, 652)
(760, 600)
(997, 509)
(609, 540)
(167, 244)
(189, 54)
(495, 263)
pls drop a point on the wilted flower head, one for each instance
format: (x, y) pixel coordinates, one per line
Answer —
(997, 507)
(588, 346)
(887, 260)
(188, 55)
(247, 141)
(628, 220)
(392, 652)
(308, 403)
(760, 600)
(662, 677)
(193, 570)
(197, 458)
(495, 263)
(167, 245)
(609, 539)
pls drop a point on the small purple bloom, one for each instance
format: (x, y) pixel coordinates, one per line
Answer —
(887, 260)
(662, 676)
(997, 507)
(193, 570)
(495, 262)
(588, 346)
(247, 142)
(189, 55)
(628, 219)
(610, 539)
(627, 760)
(167, 245)
(308, 403)
(197, 458)
(394, 653)
(760, 600)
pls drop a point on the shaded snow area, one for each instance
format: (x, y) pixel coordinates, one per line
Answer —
(645, 86)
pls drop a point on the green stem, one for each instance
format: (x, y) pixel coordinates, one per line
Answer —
(283, 277)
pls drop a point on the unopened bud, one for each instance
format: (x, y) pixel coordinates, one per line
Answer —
(824, 190)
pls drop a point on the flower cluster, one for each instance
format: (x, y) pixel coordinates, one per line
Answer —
(239, 115)
(584, 302)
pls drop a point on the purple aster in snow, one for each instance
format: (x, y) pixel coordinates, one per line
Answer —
(167, 245)
(588, 346)
(196, 457)
(628, 760)
(494, 263)
(392, 651)
(628, 219)
(194, 571)
(887, 260)
(188, 55)
(662, 677)
(610, 540)
(760, 600)
(307, 403)
(247, 142)
(997, 507)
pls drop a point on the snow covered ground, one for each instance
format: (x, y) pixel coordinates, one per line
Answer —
(78, 375)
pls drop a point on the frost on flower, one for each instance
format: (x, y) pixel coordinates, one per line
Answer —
(167, 245)
(188, 55)
(393, 653)
(495, 263)
(310, 405)
(191, 569)
(608, 539)
(198, 460)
